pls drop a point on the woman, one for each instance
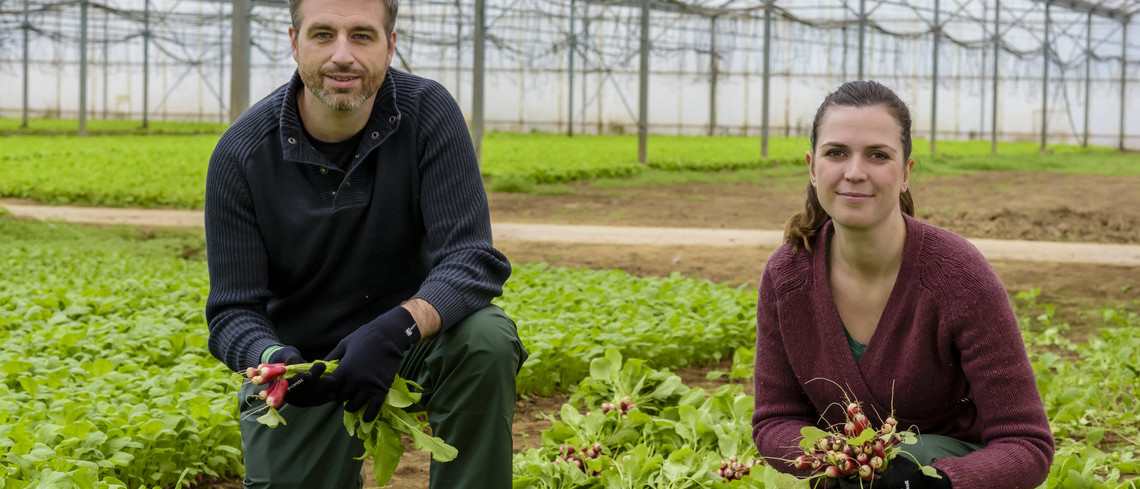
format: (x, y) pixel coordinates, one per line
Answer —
(906, 318)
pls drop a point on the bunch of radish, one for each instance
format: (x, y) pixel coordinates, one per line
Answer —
(860, 452)
(578, 456)
(622, 407)
(277, 375)
(381, 437)
(735, 469)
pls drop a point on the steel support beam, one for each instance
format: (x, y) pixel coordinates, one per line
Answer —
(1045, 81)
(934, 80)
(239, 53)
(712, 75)
(573, 46)
(862, 35)
(997, 57)
(765, 108)
(1123, 78)
(478, 70)
(1088, 77)
(83, 67)
(643, 115)
(25, 26)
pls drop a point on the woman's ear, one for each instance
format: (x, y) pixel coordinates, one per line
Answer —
(906, 173)
(811, 166)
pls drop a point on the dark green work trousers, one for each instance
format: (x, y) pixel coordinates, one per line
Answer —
(468, 376)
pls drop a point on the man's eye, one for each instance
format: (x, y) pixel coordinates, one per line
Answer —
(362, 37)
(322, 35)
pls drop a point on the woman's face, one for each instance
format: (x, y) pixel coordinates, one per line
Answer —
(857, 168)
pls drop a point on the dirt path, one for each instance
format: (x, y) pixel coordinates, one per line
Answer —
(993, 249)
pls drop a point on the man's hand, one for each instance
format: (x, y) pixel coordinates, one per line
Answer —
(901, 473)
(369, 359)
(307, 388)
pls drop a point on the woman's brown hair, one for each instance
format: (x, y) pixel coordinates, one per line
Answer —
(804, 225)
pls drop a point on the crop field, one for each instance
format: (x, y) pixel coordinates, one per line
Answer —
(106, 382)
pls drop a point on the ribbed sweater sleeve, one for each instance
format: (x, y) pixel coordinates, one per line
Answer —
(1014, 428)
(466, 270)
(781, 408)
(240, 329)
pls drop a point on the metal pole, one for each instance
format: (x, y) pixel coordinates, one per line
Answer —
(982, 80)
(1088, 77)
(26, 26)
(713, 73)
(997, 51)
(934, 82)
(458, 51)
(106, 64)
(862, 34)
(570, 74)
(146, 66)
(477, 75)
(83, 67)
(643, 115)
(239, 53)
(1123, 77)
(221, 66)
(767, 80)
(1045, 81)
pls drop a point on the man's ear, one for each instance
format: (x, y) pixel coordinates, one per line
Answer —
(293, 41)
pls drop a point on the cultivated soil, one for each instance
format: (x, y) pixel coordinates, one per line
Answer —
(1014, 206)
(1021, 206)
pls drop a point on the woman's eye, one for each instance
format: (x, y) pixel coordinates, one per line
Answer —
(834, 153)
(880, 156)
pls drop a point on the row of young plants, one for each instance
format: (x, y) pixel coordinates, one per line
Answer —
(1089, 388)
(163, 170)
(628, 425)
(105, 379)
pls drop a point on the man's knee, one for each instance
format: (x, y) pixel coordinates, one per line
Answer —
(490, 335)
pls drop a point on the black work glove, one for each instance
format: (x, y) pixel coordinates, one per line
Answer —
(369, 359)
(307, 388)
(901, 473)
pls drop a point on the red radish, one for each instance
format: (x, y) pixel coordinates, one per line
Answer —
(866, 472)
(853, 409)
(861, 423)
(876, 463)
(832, 472)
(891, 421)
(802, 463)
(275, 393)
(879, 450)
(267, 372)
(862, 459)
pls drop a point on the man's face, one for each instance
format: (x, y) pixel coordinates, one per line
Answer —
(342, 50)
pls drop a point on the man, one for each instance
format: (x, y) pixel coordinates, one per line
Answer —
(346, 219)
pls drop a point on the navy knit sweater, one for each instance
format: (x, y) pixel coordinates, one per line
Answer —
(947, 357)
(302, 252)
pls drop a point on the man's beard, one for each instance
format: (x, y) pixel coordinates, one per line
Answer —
(333, 98)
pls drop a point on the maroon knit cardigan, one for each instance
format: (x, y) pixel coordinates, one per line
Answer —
(947, 356)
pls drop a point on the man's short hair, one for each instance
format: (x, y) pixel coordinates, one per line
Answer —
(390, 9)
